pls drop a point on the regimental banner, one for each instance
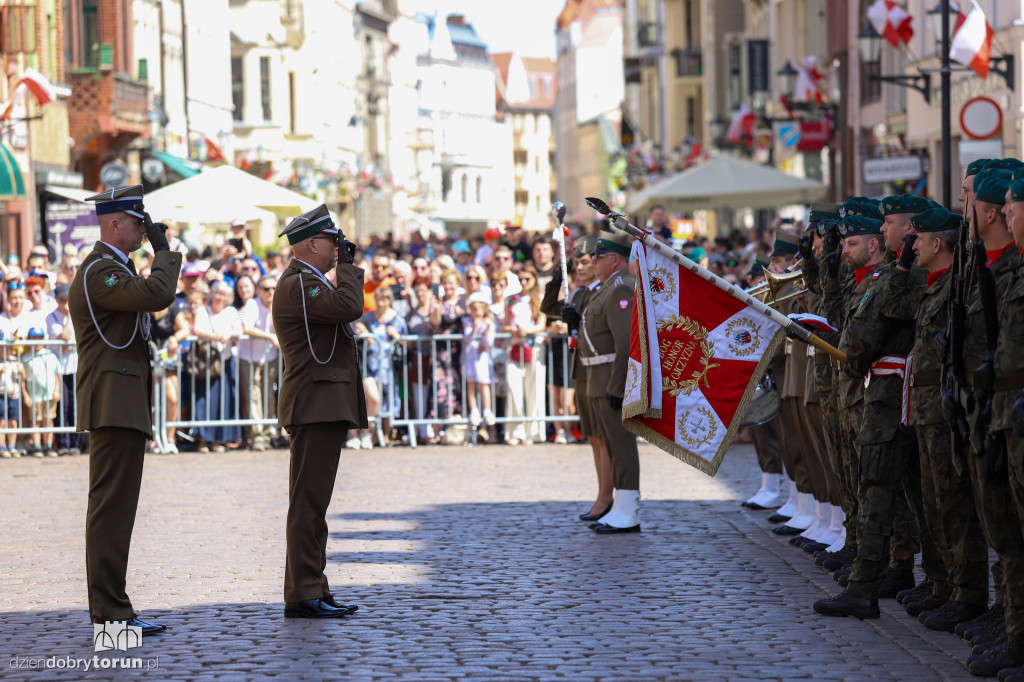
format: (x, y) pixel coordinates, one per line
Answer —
(696, 355)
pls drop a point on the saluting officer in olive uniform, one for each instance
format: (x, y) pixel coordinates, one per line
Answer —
(321, 397)
(110, 306)
(604, 351)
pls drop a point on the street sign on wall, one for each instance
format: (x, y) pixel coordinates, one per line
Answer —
(981, 118)
(890, 169)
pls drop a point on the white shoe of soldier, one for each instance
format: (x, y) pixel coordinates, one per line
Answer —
(353, 443)
(836, 529)
(769, 495)
(804, 512)
(838, 544)
(625, 511)
(366, 442)
(789, 509)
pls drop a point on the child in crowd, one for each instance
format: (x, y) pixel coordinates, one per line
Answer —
(12, 378)
(41, 391)
(476, 358)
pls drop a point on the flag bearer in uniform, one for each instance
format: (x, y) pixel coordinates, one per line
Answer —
(604, 351)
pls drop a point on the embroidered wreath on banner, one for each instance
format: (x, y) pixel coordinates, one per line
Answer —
(691, 433)
(699, 334)
(745, 334)
(662, 284)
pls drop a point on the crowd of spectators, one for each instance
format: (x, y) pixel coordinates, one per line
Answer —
(452, 332)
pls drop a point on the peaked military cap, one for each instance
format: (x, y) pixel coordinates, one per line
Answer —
(991, 185)
(937, 219)
(120, 199)
(1009, 164)
(859, 206)
(584, 246)
(785, 244)
(821, 210)
(612, 242)
(904, 203)
(854, 225)
(976, 166)
(308, 224)
(1017, 189)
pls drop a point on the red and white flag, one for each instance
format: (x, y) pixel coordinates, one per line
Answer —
(972, 43)
(891, 21)
(696, 355)
(806, 88)
(36, 83)
(742, 125)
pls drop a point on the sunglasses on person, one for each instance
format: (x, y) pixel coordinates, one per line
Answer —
(15, 286)
(527, 280)
(504, 257)
(333, 238)
(476, 277)
(250, 268)
(267, 288)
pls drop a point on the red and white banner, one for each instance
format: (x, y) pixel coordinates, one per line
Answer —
(891, 21)
(34, 82)
(696, 355)
(741, 128)
(972, 43)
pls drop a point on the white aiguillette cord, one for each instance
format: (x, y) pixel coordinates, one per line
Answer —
(305, 321)
(88, 303)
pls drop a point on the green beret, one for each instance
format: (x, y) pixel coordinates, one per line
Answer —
(1009, 164)
(758, 267)
(1017, 174)
(935, 220)
(612, 242)
(991, 185)
(1017, 190)
(853, 225)
(976, 166)
(786, 244)
(859, 206)
(822, 226)
(823, 211)
(904, 203)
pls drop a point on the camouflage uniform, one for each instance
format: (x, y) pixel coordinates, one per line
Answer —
(993, 497)
(1000, 510)
(888, 451)
(946, 496)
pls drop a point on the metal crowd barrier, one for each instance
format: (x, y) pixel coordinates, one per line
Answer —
(211, 397)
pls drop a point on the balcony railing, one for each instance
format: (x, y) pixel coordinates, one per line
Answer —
(689, 62)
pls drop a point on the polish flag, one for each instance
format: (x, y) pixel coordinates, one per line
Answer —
(213, 152)
(972, 44)
(742, 125)
(892, 21)
(806, 88)
(34, 82)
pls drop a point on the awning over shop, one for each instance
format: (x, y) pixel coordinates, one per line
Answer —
(12, 184)
(182, 167)
(68, 192)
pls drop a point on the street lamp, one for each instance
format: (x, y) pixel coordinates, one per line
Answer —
(935, 19)
(787, 75)
(717, 127)
(869, 44)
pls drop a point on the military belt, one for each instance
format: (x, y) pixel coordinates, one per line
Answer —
(598, 360)
(932, 378)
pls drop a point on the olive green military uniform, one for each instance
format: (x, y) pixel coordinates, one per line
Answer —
(993, 494)
(321, 399)
(947, 498)
(604, 351)
(109, 306)
(551, 306)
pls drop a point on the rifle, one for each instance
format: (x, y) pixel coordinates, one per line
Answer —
(957, 402)
(984, 374)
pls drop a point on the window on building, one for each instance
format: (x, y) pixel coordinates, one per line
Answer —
(90, 34)
(870, 88)
(537, 202)
(292, 114)
(479, 189)
(465, 189)
(19, 32)
(536, 164)
(735, 57)
(522, 200)
(238, 88)
(265, 89)
(691, 116)
(446, 184)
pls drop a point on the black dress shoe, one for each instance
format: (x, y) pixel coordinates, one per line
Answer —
(314, 608)
(605, 529)
(594, 517)
(845, 604)
(778, 518)
(788, 530)
(952, 614)
(894, 582)
(813, 546)
(331, 600)
(147, 628)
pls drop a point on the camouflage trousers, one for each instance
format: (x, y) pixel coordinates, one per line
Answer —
(847, 463)
(1003, 509)
(767, 445)
(952, 519)
(885, 470)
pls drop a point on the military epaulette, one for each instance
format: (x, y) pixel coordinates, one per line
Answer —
(108, 256)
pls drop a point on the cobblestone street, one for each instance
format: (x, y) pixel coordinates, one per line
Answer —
(468, 563)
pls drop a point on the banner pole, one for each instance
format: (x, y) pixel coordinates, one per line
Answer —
(646, 237)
